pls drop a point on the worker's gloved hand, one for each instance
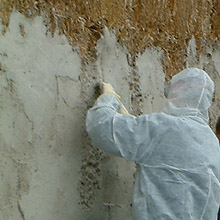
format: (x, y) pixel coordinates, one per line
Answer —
(108, 89)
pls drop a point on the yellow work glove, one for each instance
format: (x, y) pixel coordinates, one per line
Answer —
(123, 110)
(108, 89)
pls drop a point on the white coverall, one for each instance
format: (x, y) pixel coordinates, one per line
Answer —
(177, 152)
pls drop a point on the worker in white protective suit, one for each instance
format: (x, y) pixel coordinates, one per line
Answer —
(177, 152)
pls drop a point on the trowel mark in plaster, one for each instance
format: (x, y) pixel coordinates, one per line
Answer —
(19, 157)
(58, 97)
(11, 88)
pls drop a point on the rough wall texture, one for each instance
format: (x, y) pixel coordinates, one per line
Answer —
(48, 167)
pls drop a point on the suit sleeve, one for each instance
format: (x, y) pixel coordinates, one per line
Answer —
(117, 134)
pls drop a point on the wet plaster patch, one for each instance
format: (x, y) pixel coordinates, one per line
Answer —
(40, 104)
(112, 63)
(152, 80)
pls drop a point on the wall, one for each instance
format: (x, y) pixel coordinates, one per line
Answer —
(49, 169)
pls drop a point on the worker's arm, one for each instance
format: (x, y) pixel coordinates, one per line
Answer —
(118, 134)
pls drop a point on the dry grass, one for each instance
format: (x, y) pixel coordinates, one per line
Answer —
(168, 24)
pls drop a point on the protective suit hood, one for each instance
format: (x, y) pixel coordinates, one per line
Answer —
(190, 94)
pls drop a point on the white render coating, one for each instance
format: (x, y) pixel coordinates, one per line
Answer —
(48, 167)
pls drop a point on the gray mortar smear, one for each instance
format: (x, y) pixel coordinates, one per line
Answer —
(48, 166)
(91, 157)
